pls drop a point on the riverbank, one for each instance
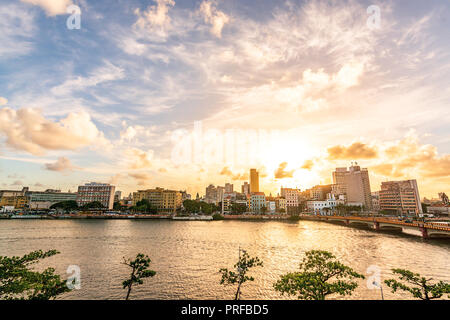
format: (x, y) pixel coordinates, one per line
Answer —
(144, 217)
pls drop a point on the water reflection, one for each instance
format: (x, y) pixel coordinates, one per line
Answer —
(188, 255)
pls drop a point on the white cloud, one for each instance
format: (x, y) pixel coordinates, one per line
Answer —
(27, 130)
(51, 7)
(17, 31)
(156, 18)
(213, 16)
(3, 101)
(62, 164)
(107, 72)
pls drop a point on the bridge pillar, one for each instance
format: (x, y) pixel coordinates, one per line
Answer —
(347, 222)
(376, 225)
(424, 232)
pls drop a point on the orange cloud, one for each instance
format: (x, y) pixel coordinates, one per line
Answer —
(28, 130)
(281, 172)
(238, 176)
(357, 150)
(62, 164)
(308, 165)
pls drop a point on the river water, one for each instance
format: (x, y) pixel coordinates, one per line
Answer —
(187, 256)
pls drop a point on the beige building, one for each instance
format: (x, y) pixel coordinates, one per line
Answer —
(96, 192)
(400, 197)
(166, 201)
(254, 181)
(355, 184)
(14, 198)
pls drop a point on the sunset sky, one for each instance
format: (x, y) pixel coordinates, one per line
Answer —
(181, 94)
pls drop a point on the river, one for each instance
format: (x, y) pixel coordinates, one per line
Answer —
(187, 256)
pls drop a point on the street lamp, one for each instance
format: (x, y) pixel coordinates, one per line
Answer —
(376, 284)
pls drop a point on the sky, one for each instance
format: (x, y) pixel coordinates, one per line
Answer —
(182, 94)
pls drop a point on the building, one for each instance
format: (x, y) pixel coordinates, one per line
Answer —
(93, 192)
(439, 209)
(14, 198)
(185, 196)
(117, 196)
(228, 188)
(318, 192)
(45, 199)
(324, 207)
(292, 199)
(354, 183)
(165, 201)
(257, 202)
(245, 188)
(214, 194)
(280, 204)
(376, 201)
(400, 197)
(254, 181)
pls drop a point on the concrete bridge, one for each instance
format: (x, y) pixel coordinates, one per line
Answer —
(427, 230)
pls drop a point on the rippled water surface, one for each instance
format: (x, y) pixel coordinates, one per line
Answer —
(188, 255)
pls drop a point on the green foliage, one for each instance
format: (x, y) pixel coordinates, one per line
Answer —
(65, 205)
(19, 282)
(421, 287)
(239, 277)
(238, 208)
(320, 275)
(145, 206)
(139, 271)
(217, 216)
(93, 205)
(192, 206)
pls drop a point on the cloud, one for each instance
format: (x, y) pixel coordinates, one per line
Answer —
(17, 183)
(234, 176)
(27, 130)
(355, 151)
(3, 101)
(61, 165)
(213, 16)
(107, 72)
(407, 156)
(281, 172)
(139, 159)
(17, 30)
(51, 7)
(308, 165)
(142, 178)
(156, 18)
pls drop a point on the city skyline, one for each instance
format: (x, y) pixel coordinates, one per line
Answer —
(106, 102)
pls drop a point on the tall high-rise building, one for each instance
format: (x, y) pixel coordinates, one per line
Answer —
(228, 188)
(245, 189)
(355, 184)
(254, 181)
(93, 192)
(400, 196)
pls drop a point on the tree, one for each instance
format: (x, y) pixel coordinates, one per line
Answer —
(19, 282)
(421, 287)
(263, 209)
(239, 277)
(320, 275)
(93, 205)
(238, 208)
(191, 206)
(146, 206)
(139, 271)
(65, 205)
